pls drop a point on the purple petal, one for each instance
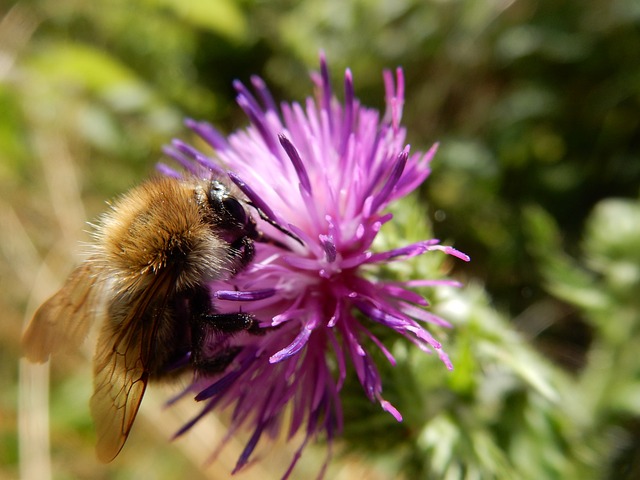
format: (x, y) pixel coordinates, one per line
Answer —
(423, 315)
(325, 87)
(356, 260)
(236, 296)
(381, 316)
(294, 156)
(371, 379)
(257, 118)
(308, 241)
(208, 133)
(342, 364)
(349, 106)
(286, 316)
(408, 251)
(444, 358)
(296, 457)
(187, 426)
(397, 291)
(432, 283)
(387, 407)
(301, 263)
(357, 351)
(179, 157)
(330, 249)
(197, 156)
(393, 178)
(394, 97)
(249, 447)
(382, 347)
(248, 97)
(451, 251)
(166, 170)
(265, 94)
(425, 336)
(295, 346)
(219, 386)
(253, 196)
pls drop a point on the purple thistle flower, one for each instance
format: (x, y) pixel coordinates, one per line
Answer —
(325, 172)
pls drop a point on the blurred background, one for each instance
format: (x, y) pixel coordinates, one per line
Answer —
(536, 105)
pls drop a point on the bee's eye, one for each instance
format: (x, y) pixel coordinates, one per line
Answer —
(235, 209)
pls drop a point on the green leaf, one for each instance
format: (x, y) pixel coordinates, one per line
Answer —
(612, 242)
(75, 64)
(564, 277)
(220, 16)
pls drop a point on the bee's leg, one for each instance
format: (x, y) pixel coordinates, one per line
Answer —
(229, 322)
(216, 363)
(211, 352)
(210, 332)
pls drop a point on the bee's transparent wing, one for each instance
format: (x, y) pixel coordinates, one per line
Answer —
(120, 380)
(121, 362)
(64, 320)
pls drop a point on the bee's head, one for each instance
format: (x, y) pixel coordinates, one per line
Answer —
(232, 221)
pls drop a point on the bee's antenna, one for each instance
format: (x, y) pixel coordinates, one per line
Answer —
(262, 208)
(275, 225)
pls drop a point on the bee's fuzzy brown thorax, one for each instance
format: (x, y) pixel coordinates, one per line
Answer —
(163, 224)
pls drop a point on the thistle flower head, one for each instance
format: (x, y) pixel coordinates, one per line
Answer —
(324, 171)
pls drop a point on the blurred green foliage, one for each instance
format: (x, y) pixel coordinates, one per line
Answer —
(536, 104)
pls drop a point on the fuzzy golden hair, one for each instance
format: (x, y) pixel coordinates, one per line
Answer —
(155, 249)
